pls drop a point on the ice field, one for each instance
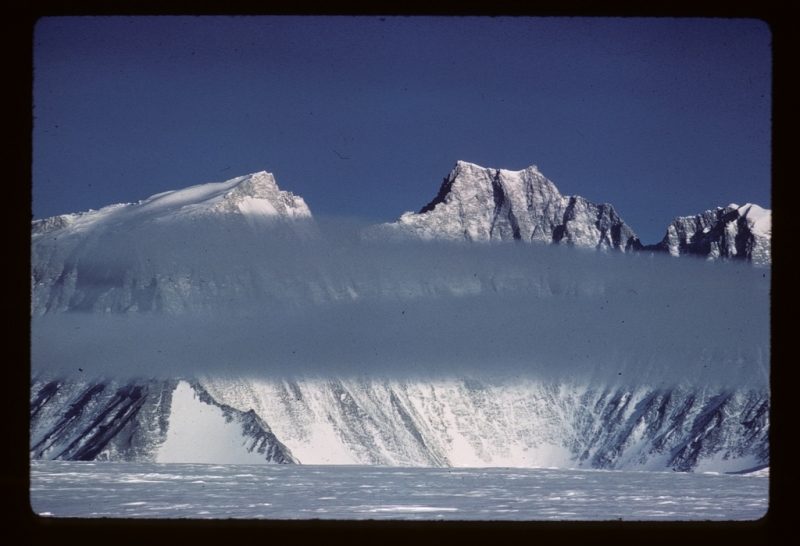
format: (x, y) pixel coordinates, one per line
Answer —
(286, 492)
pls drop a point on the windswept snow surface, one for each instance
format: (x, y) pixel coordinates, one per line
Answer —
(148, 490)
(414, 310)
(759, 220)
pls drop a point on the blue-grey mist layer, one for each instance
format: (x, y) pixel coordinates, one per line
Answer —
(201, 300)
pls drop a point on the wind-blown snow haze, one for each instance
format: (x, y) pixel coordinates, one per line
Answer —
(338, 305)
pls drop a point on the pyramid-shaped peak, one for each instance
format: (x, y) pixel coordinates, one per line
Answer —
(260, 185)
(476, 204)
(258, 193)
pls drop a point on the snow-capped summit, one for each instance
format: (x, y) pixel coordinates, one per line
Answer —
(731, 232)
(479, 204)
(166, 251)
(256, 196)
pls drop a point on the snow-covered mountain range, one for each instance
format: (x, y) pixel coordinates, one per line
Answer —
(105, 260)
(479, 204)
(244, 248)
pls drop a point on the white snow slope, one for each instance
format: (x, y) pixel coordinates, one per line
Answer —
(255, 196)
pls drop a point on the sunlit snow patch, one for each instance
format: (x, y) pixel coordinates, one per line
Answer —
(198, 433)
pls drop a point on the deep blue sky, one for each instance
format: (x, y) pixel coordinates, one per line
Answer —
(659, 117)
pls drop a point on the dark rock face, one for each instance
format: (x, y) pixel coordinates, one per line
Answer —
(78, 421)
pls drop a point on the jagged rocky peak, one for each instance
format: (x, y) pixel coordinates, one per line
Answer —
(154, 420)
(726, 233)
(479, 204)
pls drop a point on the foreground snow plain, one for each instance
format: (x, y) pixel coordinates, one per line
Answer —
(287, 492)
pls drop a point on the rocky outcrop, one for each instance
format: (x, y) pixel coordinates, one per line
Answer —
(729, 233)
(480, 204)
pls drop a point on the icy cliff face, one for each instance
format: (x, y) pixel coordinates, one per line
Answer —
(479, 204)
(100, 420)
(463, 422)
(732, 232)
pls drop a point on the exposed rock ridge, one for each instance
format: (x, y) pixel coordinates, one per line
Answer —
(728, 233)
(479, 204)
(106, 420)
(124, 420)
(51, 224)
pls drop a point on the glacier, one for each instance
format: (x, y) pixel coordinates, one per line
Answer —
(225, 324)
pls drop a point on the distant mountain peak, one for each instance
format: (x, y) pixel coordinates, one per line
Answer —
(256, 196)
(159, 253)
(479, 204)
(726, 233)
